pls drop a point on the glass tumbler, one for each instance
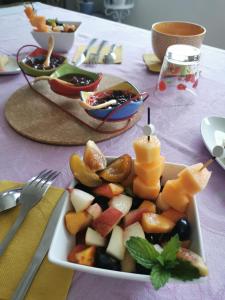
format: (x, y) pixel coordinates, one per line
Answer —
(179, 75)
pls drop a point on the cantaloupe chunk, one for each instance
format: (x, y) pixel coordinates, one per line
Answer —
(175, 196)
(147, 151)
(150, 173)
(154, 223)
(144, 191)
(150, 206)
(193, 179)
(173, 214)
(161, 204)
(76, 221)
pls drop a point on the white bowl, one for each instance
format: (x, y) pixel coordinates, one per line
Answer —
(63, 40)
(63, 242)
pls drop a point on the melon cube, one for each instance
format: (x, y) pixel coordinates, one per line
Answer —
(80, 199)
(147, 151)
(174, 196)
(193, 179)
(154, 223)
(144, 191)
(150, 173)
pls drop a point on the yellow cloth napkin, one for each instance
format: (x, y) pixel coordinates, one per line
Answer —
(152, 62)
(105, 50)
(51, 281)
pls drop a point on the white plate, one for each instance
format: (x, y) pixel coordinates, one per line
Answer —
(63, 242)
(213, 133)
(11, 67)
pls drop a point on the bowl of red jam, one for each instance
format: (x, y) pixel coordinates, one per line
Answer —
(32, 64)
(69, 80)
(128, 100)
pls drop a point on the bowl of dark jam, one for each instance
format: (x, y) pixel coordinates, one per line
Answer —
(125, 101)
(69, 80)
(32, 64)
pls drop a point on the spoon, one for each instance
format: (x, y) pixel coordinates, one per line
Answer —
(110, 58)
(52, 78)
(51, 44)
(102, 105)
(9, 198)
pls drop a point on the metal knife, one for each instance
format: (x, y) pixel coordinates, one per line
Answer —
(83, 55)
(40, 253)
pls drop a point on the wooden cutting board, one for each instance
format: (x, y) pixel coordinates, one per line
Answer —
(52, 121)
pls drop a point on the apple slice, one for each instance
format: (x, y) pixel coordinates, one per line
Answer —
(116, 246)
(122, 202)
(133, 230)
(94, 210)
(109, 190)
(107, 220)
(80, 199)
(75, 249)
(134, 216)
(93, 238)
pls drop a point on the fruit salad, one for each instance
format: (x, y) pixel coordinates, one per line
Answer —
(125, 220)
(40, 23)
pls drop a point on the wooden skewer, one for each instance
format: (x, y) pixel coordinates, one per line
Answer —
(207, 163)
(51, 43)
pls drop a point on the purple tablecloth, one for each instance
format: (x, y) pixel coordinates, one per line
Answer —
(178, 128)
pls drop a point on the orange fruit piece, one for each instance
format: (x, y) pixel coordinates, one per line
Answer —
(173, 214)
(83, 173)
(29, 11)
(147, 151)
(154, 223)
(93, 157)
(76, 221)
(145, 191)
(150, 206)
(118, 170)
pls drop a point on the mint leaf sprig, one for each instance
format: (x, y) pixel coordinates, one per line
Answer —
(162, 265)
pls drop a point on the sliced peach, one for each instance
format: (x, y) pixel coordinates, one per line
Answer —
(77, 221)
(86, 257)
(83, 173)
(144, 191)
(108, 190)
(127, 182)
(76, 249)
(154, 223)
(118, 170)
(93, 157)
(173, 214)
(150, 206)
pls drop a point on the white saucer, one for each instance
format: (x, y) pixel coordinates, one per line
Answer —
(213, 133)
(11, 67)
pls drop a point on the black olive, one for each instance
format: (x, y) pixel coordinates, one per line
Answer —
(183, 229)
(154, 238)
(102, 201)
(136, 203)
(84, 188)
(105, 261)
(142, 270)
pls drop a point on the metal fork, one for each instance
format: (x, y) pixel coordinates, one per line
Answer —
(94, 57)
(31, 194)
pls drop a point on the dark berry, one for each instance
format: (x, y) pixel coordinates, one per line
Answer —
(105, 261)
(183, 229)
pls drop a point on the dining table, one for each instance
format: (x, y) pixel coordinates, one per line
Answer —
(177, 127)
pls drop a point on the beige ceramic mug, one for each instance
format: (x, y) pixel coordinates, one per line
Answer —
(165, 34)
